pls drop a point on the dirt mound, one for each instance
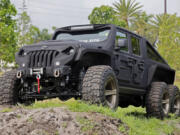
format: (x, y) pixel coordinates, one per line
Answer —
(56, 121)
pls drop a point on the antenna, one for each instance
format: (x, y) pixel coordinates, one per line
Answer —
(165, 6)
(24, 6)
(23, 24)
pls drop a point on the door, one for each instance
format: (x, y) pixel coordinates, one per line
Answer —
(138, 66)
(122, 57)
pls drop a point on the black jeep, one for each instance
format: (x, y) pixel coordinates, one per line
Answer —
(102, 64)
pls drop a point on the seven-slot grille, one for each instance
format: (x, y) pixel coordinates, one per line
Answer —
(42, 58)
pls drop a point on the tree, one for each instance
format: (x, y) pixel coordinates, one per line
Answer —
(37, 35)
(127, 10)
(142, 26)
(104, 15)
(8, 35)
(140, 23)
(28, 33)
(34, 35)
(54, 28)
(45, 35)
(24, 26)
(168, 44)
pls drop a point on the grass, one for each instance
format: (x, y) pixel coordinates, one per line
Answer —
(18, 116)
(46, 104)
(30, 119)
(133, 117)
(177, 80)
(86, 125)
(65, 124)
(6, 110)
(123, 129)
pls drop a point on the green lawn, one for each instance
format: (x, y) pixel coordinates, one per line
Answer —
(133, 117)
(177, 80)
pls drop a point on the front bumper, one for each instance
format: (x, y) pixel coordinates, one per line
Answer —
(44, 72)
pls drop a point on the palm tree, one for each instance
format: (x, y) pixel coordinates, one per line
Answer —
(158, 20)
(141, 22)
(168, 22)
(127, 10)
(155, 25)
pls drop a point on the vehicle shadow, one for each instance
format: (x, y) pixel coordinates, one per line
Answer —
(139, 115)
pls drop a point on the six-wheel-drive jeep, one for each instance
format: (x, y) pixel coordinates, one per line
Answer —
(101, 64)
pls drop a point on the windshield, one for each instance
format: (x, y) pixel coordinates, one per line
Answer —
(84, 36)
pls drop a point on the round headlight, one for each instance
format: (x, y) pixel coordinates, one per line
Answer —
(25, 53)
(23, 65)
(71, 51)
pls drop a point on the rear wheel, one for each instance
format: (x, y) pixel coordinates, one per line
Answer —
(175, 99)
(100, 86)
(158, 100)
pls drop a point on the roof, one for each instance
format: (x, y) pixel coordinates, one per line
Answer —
(85, 25)
(68, 28)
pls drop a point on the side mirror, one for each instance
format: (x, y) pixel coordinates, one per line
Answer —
(122, 43)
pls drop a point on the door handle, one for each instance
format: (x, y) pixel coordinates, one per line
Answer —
(131, 61)
(141, 66)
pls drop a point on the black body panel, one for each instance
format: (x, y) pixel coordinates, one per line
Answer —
(134, 69)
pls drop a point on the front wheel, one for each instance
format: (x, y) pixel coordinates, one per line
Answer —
(100, 86)
(9, 86)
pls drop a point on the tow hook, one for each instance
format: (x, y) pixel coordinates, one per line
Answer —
(19, 74)
(56, 73)
(38, 77)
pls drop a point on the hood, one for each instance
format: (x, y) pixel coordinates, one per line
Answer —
(48, 49)
(62, 51)
(51, 45)
(60, 45)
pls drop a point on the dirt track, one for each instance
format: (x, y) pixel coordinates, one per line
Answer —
(56, 121)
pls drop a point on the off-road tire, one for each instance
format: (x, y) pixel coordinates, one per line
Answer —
(154, 100)
(8, 85)
(95, 84)
(175, 99)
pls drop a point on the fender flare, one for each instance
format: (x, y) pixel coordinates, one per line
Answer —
(155, 69)
(83, 52)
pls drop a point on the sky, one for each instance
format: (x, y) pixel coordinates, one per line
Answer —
(60, 13)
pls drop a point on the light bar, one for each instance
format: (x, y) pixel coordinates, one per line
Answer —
(82, 27)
